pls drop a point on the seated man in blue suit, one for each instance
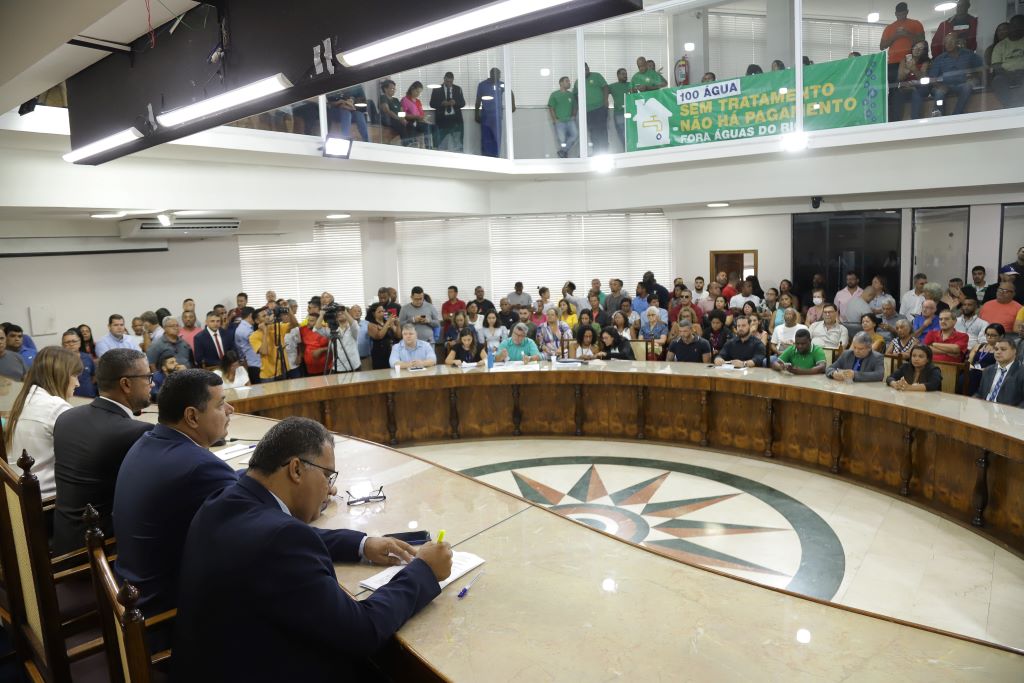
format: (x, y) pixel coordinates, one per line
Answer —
(164, 479)
(259, 599)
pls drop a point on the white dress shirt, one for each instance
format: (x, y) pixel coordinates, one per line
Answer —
(34, 433)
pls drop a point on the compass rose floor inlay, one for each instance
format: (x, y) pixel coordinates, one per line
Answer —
(765, 522)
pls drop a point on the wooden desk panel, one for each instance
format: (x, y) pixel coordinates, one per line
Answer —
(955, 455)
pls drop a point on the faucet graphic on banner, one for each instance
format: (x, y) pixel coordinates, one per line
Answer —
(652, 127)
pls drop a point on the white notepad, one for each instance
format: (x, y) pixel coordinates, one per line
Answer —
(234, 451)
(462, 564)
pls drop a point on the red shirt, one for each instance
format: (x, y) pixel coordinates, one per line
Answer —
(967, 30)
(310, 342)
(729, 292)
(450, 308)
(900, 47)
(955, 337)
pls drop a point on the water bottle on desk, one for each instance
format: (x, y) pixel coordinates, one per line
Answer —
(490, 358)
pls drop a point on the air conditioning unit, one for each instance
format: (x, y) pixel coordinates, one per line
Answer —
(182, 228)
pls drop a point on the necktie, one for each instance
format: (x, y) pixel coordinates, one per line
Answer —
(856, 365)
(448, 96)
(216, 342)
(997, 385)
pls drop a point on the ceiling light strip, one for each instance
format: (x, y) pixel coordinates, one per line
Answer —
(459, 24)
(103, 144)
(224, 101)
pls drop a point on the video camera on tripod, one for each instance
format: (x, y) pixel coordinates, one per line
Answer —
(330, 315)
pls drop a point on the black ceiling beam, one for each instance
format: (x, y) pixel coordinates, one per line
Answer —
(266, 37)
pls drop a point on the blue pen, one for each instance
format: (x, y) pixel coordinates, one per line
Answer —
(465, 589)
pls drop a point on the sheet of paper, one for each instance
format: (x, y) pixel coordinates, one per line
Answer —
(462, 564)
(468, 366)
(235, 451)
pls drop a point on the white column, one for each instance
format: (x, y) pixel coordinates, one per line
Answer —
(581, 81)
(986, 224)
(380, 257)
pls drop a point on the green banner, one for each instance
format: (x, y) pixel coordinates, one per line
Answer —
(846, 92)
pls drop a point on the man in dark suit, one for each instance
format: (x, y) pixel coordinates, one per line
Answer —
(259, 583)
(859, 363)
(164, 479)
(90, 441)
(1003, 381)
(448, 101)
(211, 343)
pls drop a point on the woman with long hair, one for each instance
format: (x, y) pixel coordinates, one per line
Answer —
(567, 313)
(88, 343)
(587, 347)
(415, 118)
(231, 371)
(722, 305)
(614, 347)
(920, 374)
(717, 332)
(492, 333)
(465, 350)
(451, 336)
(383, 332)
(49, 385)
(912, 69)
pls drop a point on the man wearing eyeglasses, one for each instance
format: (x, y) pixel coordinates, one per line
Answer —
(255, 573)
(1003, 309)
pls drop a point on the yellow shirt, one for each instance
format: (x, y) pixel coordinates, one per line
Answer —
(570, 320)
(268, 352)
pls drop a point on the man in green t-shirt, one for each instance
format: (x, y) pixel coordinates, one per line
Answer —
(618, 91)
(802, 358)
(518, 347)
(597, 109)
(646, 79)
(562, 108)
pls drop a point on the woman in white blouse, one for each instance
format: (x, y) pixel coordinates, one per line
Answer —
(48, 387)
(231, 371)
(492, 333)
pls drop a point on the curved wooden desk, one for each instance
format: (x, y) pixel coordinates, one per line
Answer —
(955, 455)
(563, 602)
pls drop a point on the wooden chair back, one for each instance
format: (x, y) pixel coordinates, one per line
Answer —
(639, 350)
(892, 364)
(31, 579)
(124, 627)
(950, 375)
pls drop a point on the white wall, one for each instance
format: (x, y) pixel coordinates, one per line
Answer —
(86, 289)
(694, 239)
(380, 257)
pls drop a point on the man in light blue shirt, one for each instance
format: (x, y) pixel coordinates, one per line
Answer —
(640, 300)
(412, 352)
(116, 338)
(245, 351)
(363, 340)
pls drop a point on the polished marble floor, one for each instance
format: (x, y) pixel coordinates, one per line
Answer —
(768, 523)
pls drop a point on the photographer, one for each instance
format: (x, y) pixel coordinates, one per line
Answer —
(268, 341)
(336, 324)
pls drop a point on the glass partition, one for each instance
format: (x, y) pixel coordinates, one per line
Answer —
(1013, 234)
(449, 106)
(542, 72)
(940, 242)
(300, 118)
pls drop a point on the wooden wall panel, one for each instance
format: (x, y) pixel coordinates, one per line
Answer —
(737, 421)
(673, 415)
(548, 410)
(310, 410)
(485, 412)
(871, 452)
(803, 433)
(1005, 504)
(609, 411)
(362, 416)
(421, 415)
(955, 474)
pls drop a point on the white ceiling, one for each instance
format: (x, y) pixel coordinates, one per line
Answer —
(47, 60)
(857, 10)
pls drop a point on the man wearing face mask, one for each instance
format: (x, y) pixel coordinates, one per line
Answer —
(254, 571)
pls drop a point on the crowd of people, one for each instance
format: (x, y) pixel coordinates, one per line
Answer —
(168, 499)
(946, 72)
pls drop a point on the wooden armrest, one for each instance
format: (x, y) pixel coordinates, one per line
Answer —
(161, 656)
(49, 503)
(75, 572)
(80, 554)
(85, 649)
(160, 618)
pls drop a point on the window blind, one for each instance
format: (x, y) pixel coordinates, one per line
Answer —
(434, 254)
(736, 41)
(553, 54)
(826, 41)
(612, 45)
(331, 262)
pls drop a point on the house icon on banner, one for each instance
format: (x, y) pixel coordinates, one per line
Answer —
(652, 129)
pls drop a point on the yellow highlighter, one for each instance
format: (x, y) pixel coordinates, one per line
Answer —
(440, 536)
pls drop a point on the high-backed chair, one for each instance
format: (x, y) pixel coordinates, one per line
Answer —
(124, 627)
(639, 349)
(950, 375)
(52, 610)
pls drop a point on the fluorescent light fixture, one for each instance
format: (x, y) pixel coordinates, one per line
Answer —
(925, 81)
(337, 147)
(103, 144)
(433, 86)
(545, 72)
(115, 214)
(627, 115)
(803, 636)
(473, 20)
(689, 47)
(338, 216)
(873, 17)
(218, 103)
(184, 214)
(783, 91)
(401, 114)
(361, 105)
(165, 220)
(142, 212)
(794, 142)
(484, 98)
(945, 6)
(718, 205)
(602, 163)
(609, 586)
